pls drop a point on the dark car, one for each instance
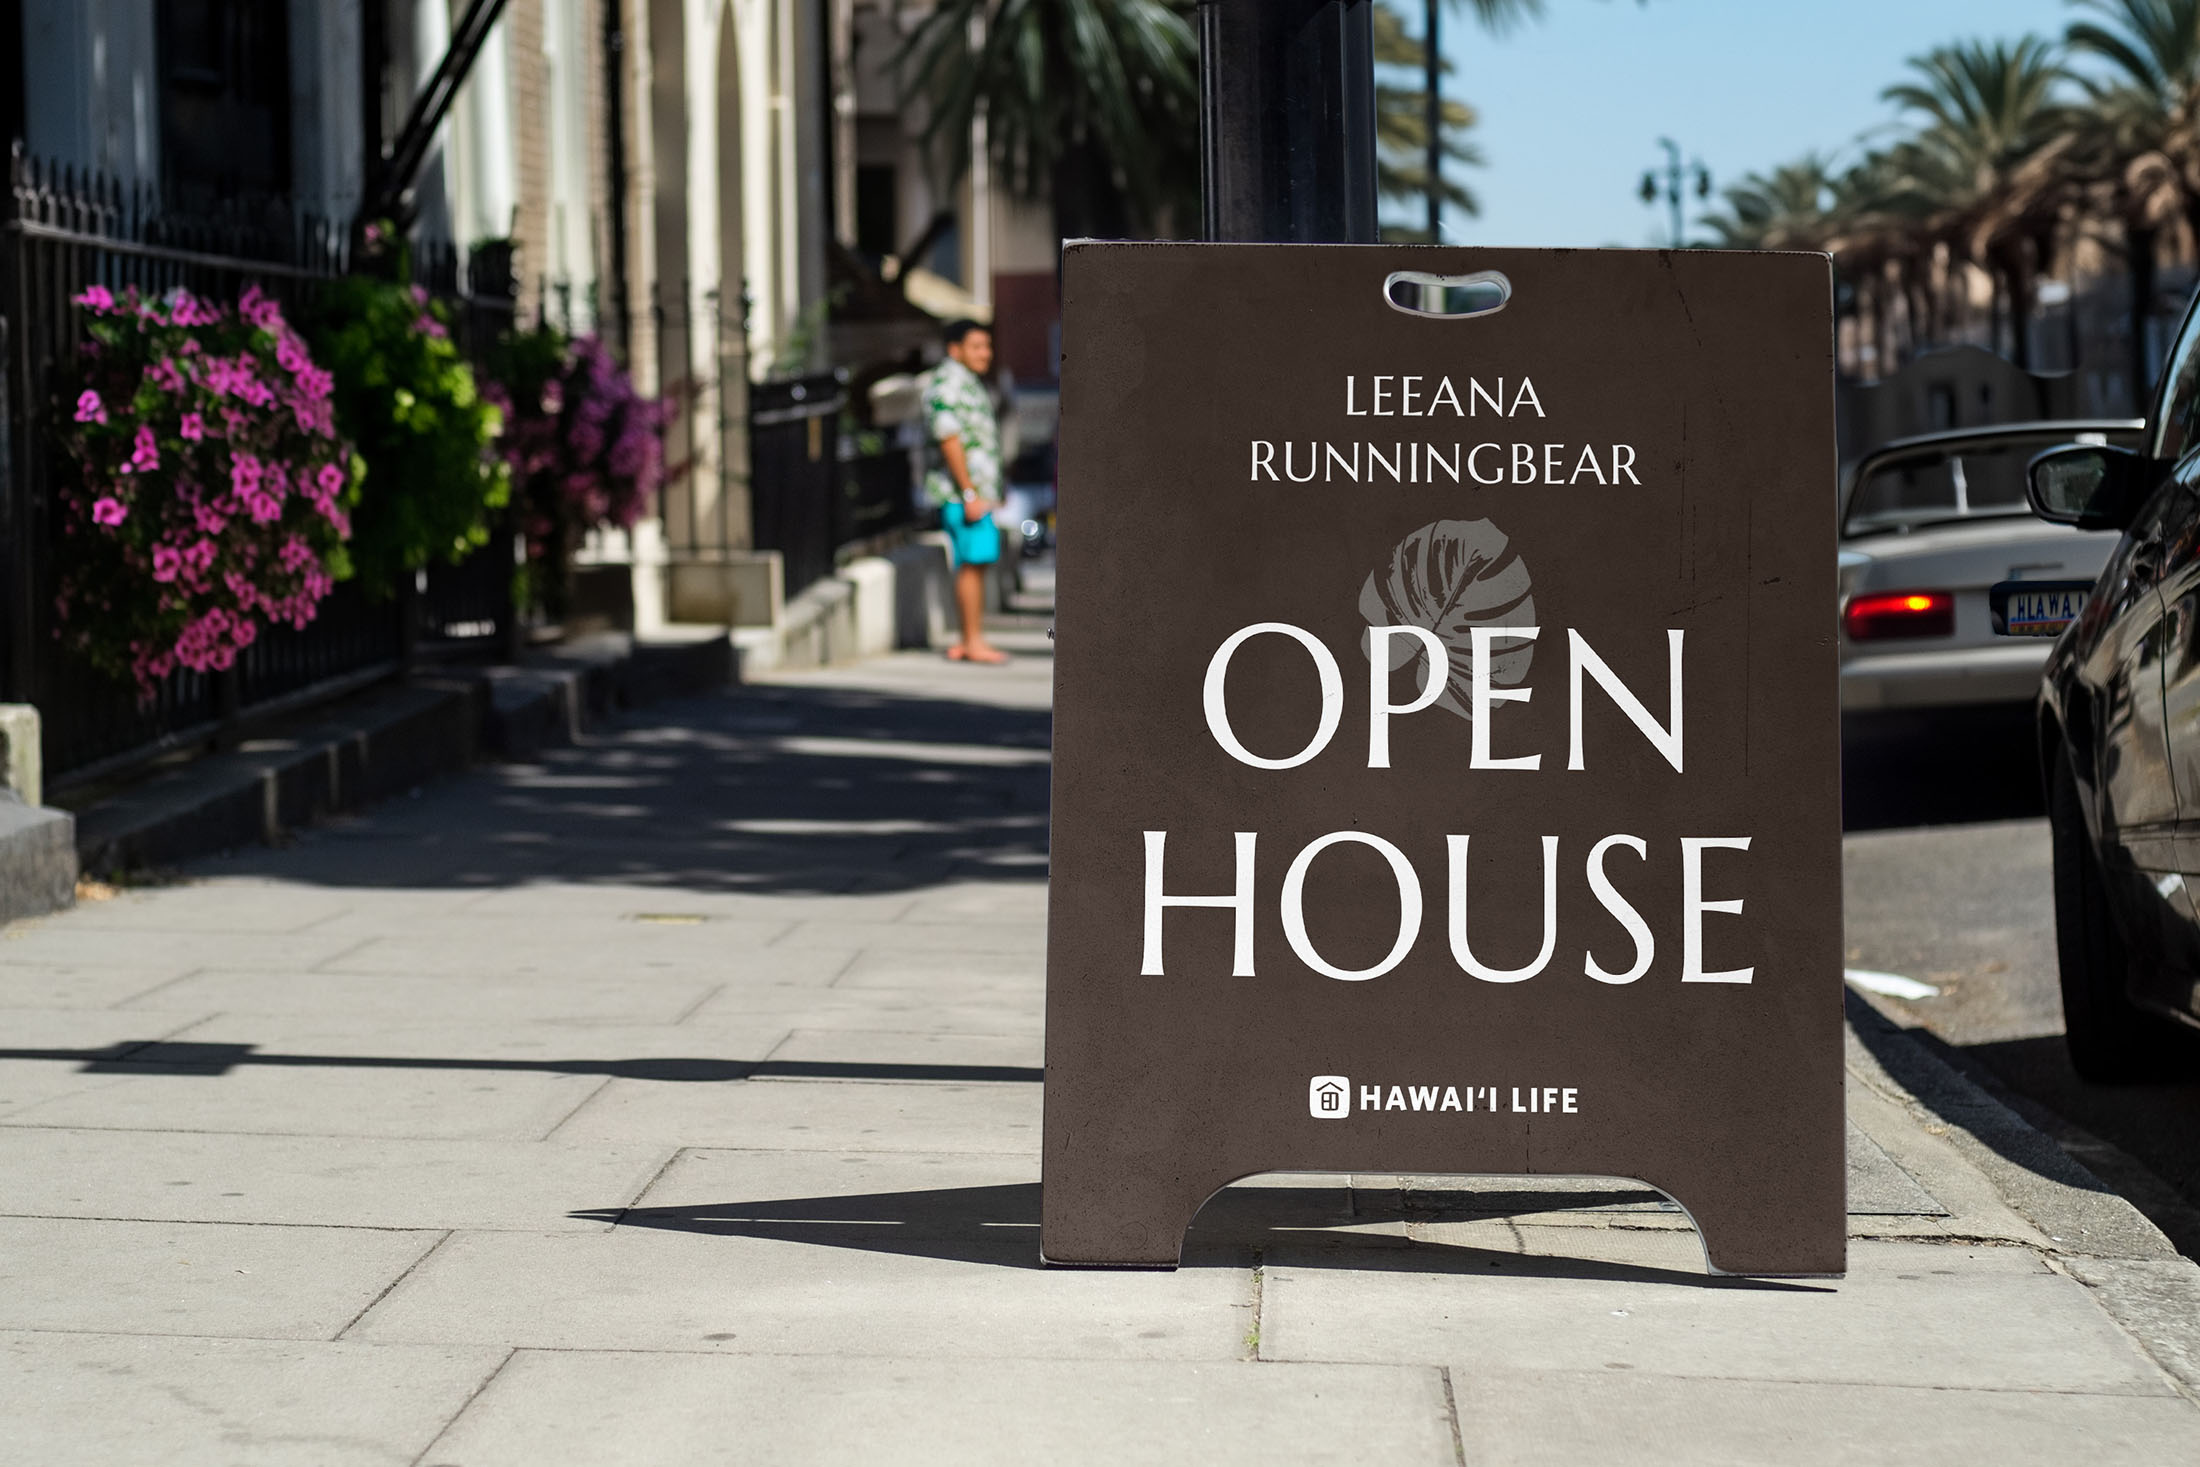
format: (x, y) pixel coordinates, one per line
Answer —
(2119, 734)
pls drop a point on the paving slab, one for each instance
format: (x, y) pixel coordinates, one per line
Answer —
(204, 907)
(603, 1000)
(192, 1087)
(723, 1287)
(2158, 1301)
(42, 985)
(45, 1053)
(343, 1181)
(151, 1401)
(603, 1410)
(953, 1054)
(1636, 1418)
(167, 1278)
(520, 947)
(1024, 940)
(68, 944)
(1907, 1314)
(815, 1115)
(900, 1010)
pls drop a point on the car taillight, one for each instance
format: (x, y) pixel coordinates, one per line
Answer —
(1882, 616)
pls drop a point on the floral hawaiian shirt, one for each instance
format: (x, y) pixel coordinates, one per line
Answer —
(957, 405)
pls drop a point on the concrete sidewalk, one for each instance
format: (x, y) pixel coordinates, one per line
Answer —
(675, 1100)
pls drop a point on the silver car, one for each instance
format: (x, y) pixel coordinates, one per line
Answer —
(1928, 526)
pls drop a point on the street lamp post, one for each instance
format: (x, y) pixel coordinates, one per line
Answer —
(1433, 83)
(1287, 120)
(1672, 186)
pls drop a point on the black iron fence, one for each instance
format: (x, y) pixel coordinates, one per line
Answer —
(794, 473)
(64, 230)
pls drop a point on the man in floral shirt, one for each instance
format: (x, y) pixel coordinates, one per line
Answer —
(967, 487)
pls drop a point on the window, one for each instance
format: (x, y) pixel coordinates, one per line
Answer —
(224, 99)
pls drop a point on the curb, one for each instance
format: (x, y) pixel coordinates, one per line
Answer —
(2093, 1233)
(384, 742)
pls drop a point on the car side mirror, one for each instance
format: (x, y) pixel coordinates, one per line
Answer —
(2090, 485)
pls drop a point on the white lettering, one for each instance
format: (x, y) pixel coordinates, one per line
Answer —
(1240, 901)
(1456, 848)
(1390, 465)
(1474, 456)
(1589, 458)
(1624, 465)
(1523, 462)
(1264, 457)
(1666, 740)
(1477, 395)
(1486, 697)
(1351, 465)
(1294, 905)
(1620, 907)
(1451, 1094)
(1349, 410)
(1406, 395)
(1379, 666)
(1436, 457)
(1443, 395)
(1379, 410)
(1693, 906)
(1525, 395)
(1218, 713)
(1313, 462)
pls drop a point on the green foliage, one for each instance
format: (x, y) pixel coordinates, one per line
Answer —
(1077, 95)
(1401, 119)
(408, 400)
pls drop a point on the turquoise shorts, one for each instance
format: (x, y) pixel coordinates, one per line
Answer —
(978, 544)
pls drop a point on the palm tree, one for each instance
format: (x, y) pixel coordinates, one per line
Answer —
(1789, 208)
(2139, 136)
(1402, 140)
(1090, 105)
(1985, 158)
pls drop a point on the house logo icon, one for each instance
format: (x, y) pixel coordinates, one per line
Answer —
(1329, 1097)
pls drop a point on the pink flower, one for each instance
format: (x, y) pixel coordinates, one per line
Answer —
(258, 309)
(244, 476)
(200, 556)
(167, 562)
(144, 452)
(193, 427)
(244, 633)
(107, 510)
(265, 509)
(164, 375)
(428, 325)
(420, 295)
(89, 409)
(96, 297)
(329, 479)
(290, 354)
(211, 521)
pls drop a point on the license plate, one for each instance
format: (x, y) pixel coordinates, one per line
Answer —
(2037, 608)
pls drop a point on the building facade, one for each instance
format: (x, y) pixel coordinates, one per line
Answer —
(659, 169)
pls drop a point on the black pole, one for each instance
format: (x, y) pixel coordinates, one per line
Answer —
(1433, 61)
(1287, 120)
(614, 108)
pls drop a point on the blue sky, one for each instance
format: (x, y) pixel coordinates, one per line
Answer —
(1572, 105)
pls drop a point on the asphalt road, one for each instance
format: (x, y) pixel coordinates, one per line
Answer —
(1947, 883)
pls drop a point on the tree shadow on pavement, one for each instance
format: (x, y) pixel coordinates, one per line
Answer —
(999, 1226)
(773, 789)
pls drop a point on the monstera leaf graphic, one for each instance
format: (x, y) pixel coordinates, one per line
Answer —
(1451, 577)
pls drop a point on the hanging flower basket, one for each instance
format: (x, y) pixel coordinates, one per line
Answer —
(584, 448)
(207, 502)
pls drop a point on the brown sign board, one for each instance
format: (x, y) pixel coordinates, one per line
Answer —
(1446, 762)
